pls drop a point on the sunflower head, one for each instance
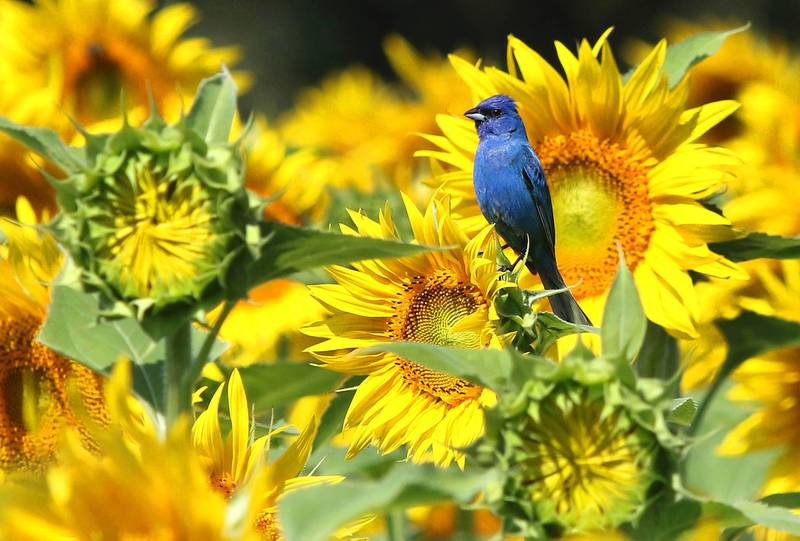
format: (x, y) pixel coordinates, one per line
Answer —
(444, 297)
(154, 215)
(581, 449)
(622, 164)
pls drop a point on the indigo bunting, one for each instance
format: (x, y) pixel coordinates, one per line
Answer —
(512, 193)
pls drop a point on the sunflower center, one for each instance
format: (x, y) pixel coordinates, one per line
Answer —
(600, 196)
(267, 526)
(161, 236)
(224, 483)
(98, 87)
(35, 396)
(583, 460)
(430, 309)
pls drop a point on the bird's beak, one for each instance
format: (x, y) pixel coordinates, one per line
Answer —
(474, 114)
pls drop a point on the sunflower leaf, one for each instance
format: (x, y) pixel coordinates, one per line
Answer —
(332, 419)
(758, 245)
(47, 144)
(404, 486)
(772, 516)
(751, 334)
(214, 108)
(683, 55)
(75, 328)
(272, 385)
(491, 368)
(747, 335)
(290, 249)
(624, 321)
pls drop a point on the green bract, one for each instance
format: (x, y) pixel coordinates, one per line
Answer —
(578, 448)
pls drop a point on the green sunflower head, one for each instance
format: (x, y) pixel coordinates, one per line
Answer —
(579, 449)
(155, 215)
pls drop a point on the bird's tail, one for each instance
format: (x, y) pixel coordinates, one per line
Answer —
(564, 304)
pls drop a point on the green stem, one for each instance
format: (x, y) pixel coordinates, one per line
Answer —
(205, 350)
(396, 525)
(716, 385)
(178, 363)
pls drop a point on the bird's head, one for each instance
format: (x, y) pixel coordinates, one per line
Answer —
(496, 115)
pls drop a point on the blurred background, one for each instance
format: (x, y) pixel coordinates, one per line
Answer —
(289, 45)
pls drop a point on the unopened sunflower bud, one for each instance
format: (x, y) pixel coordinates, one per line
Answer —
(580, 451)
(155, 215)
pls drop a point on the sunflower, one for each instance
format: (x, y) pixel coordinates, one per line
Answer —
(294, 182)
(36, 383)
(773, 380)
(623, 166)
(99, 495)
(232, 461)
(763, 196)
(238, 463)
(377, 145)
(76, 57)
(442, 297)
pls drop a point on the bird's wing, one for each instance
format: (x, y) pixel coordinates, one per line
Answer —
(533, 174)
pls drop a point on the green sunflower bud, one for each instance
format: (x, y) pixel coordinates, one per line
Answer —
(579, 450)
(155, 215)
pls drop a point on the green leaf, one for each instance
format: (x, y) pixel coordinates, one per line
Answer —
(773, 517)
(290, 249)
(665, 520)
(659, 356)
(707, 472)
(74, 327)
(148, 383)
(790, 500)
(751, 334)
(682, 411)
(272, 385)
(214, 108)
(683, 55)
(487, 367)
(47, 144)
(747, 335)
(404, 486)
(624, 322)
(332, 420)
(758, 245)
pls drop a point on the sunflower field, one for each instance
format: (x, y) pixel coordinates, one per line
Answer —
(218, 324)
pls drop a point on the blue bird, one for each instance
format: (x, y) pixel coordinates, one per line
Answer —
(512, 193)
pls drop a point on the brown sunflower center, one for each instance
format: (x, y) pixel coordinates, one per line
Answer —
(600, 196)
(224, 483)
(35, 393)
(267, 526)
(430, 309)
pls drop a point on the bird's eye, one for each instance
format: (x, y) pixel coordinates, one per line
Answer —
(495, 112)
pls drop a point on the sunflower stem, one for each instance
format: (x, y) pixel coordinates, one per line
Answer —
(208, 344)
(396, 526)
(177, 363)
